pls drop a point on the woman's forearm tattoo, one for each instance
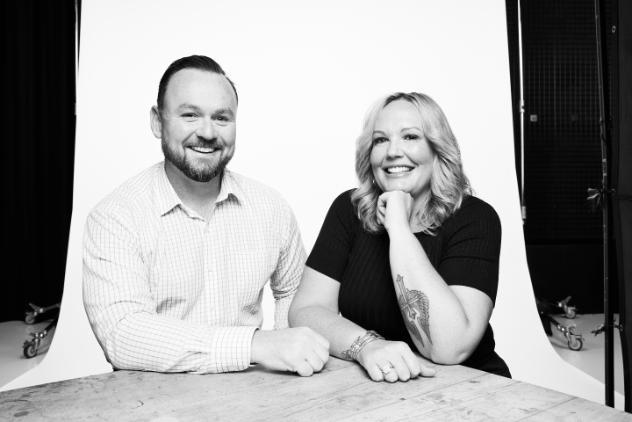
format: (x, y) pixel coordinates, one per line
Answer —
(415, 309)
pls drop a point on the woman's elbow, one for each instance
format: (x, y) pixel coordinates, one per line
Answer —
(293, 314)
(450, 355)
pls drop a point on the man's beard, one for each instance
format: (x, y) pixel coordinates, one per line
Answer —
(200, 171)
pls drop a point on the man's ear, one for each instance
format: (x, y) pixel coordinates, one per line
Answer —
(155, 122)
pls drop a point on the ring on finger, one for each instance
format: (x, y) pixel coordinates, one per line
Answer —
(386, 368)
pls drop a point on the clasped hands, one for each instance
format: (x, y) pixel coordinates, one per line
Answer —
(305, 352)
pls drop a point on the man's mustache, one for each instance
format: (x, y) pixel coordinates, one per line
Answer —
(203, 143)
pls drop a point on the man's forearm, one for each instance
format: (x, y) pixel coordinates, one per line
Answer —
(150, 342)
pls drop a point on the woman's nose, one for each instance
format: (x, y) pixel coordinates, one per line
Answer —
(394, 148)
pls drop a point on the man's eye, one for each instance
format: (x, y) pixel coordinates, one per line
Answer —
(189, 115)
(224, 118)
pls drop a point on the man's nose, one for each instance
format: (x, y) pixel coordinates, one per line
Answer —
(206, 130)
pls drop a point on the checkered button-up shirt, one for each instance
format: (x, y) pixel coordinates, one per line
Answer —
(166, 290)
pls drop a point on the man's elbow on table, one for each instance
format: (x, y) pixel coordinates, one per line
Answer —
(123, 361)
(117, 352)
(118, 359)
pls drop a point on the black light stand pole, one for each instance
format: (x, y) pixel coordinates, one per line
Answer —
(605, 199)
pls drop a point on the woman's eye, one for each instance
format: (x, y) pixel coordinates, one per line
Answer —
(411, 137)
(379, 140)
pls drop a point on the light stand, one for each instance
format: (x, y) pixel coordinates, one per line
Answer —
(603, 200)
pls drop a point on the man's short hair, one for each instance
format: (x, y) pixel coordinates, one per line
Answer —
(190, 62)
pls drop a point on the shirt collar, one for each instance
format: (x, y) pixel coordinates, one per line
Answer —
(167, 198)
(230, 188)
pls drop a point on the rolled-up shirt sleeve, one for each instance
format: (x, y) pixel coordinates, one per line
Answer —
(287, 275)
(120, 307)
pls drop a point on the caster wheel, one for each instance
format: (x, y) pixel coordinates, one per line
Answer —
(29, 318)
(575, 343)
(571, 314)
(30, 350)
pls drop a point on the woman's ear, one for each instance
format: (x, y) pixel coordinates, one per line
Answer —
(155, 121)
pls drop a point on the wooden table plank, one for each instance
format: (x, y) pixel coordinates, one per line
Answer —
(580, 410)
(341, 392)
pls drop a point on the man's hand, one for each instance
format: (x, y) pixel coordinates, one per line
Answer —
(393, 361)
(299, 350)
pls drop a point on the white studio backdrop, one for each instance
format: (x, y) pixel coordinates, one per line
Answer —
(306, 72)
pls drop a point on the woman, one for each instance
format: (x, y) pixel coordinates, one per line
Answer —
(408, 261)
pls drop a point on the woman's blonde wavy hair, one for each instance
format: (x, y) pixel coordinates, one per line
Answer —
(448, 183)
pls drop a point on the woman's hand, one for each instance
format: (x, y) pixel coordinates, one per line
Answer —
(394, 209)
(393, 361)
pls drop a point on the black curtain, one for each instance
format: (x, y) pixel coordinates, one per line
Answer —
(618, 36)
(38, 45)
(562, 151)
(513, 39)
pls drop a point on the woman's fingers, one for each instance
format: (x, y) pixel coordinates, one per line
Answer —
(401, 369)
(375, 373)
(393, 361)
(394, 207)
(391, 373)
(382, 206)
(395, 369)
(412, 362)
(427, 368)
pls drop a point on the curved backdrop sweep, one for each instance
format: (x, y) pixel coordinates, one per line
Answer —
(306, 73)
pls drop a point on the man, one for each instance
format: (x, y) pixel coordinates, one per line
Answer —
(176, 258)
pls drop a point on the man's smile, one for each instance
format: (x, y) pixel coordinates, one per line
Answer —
(204, 150)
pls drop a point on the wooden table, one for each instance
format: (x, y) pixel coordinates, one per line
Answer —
(340, 391)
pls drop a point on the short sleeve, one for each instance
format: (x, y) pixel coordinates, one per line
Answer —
(330, 253)
(471, 252)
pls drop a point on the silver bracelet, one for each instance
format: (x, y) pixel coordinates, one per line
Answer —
(359, 343)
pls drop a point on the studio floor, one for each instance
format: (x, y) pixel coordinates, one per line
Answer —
(589, 359)
(12, 336)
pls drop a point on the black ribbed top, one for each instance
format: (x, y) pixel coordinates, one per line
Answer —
(464, 251)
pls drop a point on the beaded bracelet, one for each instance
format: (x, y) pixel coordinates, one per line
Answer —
(359, 343)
